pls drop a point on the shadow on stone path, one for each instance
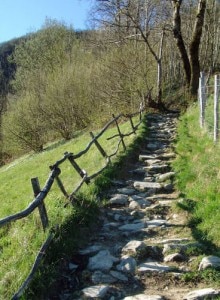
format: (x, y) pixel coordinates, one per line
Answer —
(140, 250)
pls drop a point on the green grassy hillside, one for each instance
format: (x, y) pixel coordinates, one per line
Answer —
(198, 176)
(21, 240)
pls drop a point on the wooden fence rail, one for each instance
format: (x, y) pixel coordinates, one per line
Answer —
(40, 194)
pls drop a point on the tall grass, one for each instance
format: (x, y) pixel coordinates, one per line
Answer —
(198, 175)
(21, 240)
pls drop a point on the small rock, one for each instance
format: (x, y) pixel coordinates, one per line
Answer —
(96, 291)
(132, 227)
(164, 177)
(174, 257)
(91, 250)
(134, 205)
(154, 266)
(126, 191)
(156, 223)
(209, 262)
(119, 199)
(202, 294)
(127, 265)
(143, 186)
(102, 261)
(134, 247)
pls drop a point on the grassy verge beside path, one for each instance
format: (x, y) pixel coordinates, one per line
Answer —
(198, 177)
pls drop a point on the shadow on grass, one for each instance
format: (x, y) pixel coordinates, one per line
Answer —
(208, 246)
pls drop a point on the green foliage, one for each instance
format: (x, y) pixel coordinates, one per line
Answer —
(197, 169)
(23, 126)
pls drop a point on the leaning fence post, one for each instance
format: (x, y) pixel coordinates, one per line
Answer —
(41, 207)
(81, 172)
(216, 108)
(101, 150)
(119, 132)
(202, 98)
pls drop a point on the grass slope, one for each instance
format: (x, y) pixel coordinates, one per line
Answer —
(198, 176)
(21, 240)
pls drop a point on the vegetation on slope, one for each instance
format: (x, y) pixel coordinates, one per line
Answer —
(26, 235)
(198, 176)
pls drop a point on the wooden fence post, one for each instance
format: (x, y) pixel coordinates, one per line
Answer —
(216, 108)
(101, 150)
(41, 207)
(202, 98)
(132, 124)
(60, 184)
(120, 134)
(81, 172)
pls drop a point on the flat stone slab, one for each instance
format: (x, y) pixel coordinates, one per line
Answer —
(152, 161)
(119, 199)
(155, 168)
(144, 186)
(208, 293)
(126, 191)
(210, 262)
(154, 267)
(144, 297)
(102, 261)
(91, 250)
(133, 247)
(144, 157)
(164, 177)
(156, 223)
(132, 227)
(138, 202)
(96, 291)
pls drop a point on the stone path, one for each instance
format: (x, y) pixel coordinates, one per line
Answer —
(142, 247)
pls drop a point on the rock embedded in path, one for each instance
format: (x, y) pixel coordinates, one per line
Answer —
(96, 291)
(126, 191)
(174, 257)
(144, 297)
(164, 177)
(210, 262)
(102, 261)
(133, 247)
(132, 227)
(119, 199)
(127, 265)
(202, 294)
(144, 186)
(154, 266)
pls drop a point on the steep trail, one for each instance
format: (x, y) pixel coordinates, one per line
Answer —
(142, 246)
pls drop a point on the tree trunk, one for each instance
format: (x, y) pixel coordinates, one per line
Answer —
(179, 39)
(194, 48)
(159, 70)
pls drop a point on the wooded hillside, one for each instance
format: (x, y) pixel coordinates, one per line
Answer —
(57, 81)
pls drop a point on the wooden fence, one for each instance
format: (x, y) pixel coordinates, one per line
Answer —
(41, 193)
(209, 109)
